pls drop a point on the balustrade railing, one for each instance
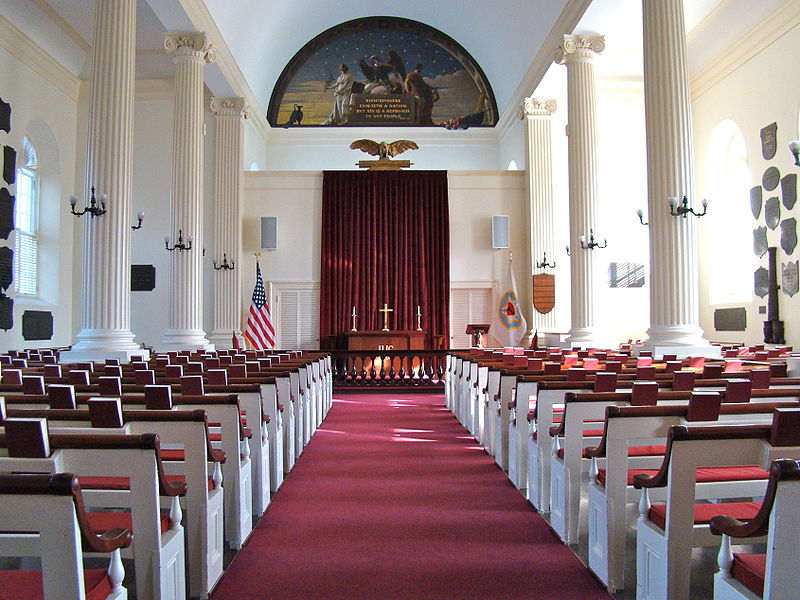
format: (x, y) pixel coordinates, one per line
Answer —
(376, 368)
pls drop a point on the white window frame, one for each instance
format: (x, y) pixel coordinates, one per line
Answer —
(26, 244)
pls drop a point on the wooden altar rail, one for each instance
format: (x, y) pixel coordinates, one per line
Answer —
(388, 368)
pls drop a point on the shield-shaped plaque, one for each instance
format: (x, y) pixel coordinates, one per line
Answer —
(544, 292)
(769, 141)
(755, 201)
(789, 235)
(789, 190)
(772, 212)
(6, 213)
(5, 116)
(771, 178)
(6, 267)
(9, 164)
(789, 278)
(760, 241)
(761, 282)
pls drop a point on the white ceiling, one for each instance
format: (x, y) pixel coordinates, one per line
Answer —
(503, 36)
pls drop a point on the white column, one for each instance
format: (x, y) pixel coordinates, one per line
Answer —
(538, 119)
(192, 51)
(105, 290)
(674, 309)
(230, 116)
(577, 53)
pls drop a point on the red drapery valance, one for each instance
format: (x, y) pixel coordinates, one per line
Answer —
(385, 239)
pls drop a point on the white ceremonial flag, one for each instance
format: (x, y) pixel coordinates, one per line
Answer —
(508, 323)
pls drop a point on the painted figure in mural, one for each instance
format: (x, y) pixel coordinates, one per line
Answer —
(342, 88)
(384, 77)
(427, 94)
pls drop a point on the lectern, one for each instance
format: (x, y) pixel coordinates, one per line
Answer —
(477, 331)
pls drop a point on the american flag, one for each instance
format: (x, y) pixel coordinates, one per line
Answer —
(259, 330)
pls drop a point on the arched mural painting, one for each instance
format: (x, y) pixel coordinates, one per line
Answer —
(382, 71)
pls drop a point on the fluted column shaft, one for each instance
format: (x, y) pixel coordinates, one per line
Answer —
(538, 119)
(229, 193)
(674, 308)
(105, 299)
(577, 53)
(192, 51)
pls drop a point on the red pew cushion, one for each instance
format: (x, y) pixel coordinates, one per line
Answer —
(28, 584)
(105, 521)
(704, 474)
(704, 512)
(750, 570)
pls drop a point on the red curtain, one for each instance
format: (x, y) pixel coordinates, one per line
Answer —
(385, 239)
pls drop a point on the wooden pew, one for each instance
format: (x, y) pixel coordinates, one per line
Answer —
(770, 576)
(632, 440)
(185, 432)
(664, 549)
(53, 506)
(158, 544)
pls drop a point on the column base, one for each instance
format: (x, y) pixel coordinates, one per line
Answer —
(184, 339)
(585, 337)
(223, 340)
(681, 340)
(95, 345)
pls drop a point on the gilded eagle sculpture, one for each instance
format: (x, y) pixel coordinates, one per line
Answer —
(384, 152)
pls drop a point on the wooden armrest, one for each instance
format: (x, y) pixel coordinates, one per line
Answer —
(166, 487)
(557, 428)
(67, 484)
(782, 469)
(599, 451)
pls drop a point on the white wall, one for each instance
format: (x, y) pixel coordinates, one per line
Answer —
(43, 100)
(762, 90)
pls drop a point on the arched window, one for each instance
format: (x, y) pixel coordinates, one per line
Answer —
(26, 254)
(730, 274)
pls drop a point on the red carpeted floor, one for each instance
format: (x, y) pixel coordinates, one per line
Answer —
(392, 499)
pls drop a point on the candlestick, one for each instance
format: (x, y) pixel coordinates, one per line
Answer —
(354, 320)
(419, 322)
(354, 311)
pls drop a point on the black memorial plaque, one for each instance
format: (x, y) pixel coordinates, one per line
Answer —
(5, 116)
(760, 243)
(143, 278)
(9, 164)
(789, 190)
(6, 313)
(761, 282)
(771, 178)
(6, 213)
(789, 277)
(730, 319)
(769, 141)
(6, 267)
(37, 325)
(772, 212)
(756, 201)
(789, 235)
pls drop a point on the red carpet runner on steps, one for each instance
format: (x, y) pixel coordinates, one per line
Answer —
(392, 500)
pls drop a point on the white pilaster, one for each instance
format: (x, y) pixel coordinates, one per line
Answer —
(192, 51)
(230, 115)
(538, 120)
(577, 53)
(105, 289)
(674, 309)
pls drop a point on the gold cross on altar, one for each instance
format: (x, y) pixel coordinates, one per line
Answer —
(385, 310)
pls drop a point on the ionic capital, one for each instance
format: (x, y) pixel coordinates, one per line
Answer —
(192, 43)
(538, 107)
(579, 46)
(230, 107)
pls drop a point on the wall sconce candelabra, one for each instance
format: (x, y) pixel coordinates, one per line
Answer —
(228, 266)
(567, 248)
(180, 246)
(640, 214)
(682, 209)
(91, 208)
(592, 244)
(544, 264)
(794, 148)
(140, 217)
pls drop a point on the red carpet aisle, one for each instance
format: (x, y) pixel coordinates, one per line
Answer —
(393, 500)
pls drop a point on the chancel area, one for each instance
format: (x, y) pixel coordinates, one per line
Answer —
(326, 278)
